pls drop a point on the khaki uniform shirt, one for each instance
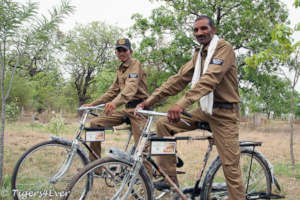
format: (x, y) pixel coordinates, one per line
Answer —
(129, 85)
(220, 77)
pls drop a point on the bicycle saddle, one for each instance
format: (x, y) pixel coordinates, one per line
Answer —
(126, 120)
(203, 126)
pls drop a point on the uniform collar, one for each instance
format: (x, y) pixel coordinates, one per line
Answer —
(204, 50)
(126, 63)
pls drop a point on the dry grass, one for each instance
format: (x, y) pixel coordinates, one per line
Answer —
(19, 137)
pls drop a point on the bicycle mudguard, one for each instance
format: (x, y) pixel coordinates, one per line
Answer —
(120, 155)
(68, 142)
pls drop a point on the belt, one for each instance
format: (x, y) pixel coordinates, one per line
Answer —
(228, 106)
(133, 104)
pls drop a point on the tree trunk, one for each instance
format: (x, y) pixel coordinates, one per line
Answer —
(2, 136)
(292, 129)
(2, 61)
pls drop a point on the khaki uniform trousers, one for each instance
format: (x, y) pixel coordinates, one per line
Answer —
(224, 125)
(116, 119)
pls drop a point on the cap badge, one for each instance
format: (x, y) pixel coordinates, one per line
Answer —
(122, 41)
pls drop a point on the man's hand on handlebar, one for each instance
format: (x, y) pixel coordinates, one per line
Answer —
(109, 108)
(174, 113)
(86, 105)
(141, 106)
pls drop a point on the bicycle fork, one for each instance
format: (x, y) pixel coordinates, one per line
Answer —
(130, 180)
(66, 164)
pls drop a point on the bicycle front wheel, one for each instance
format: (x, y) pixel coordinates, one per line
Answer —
(35, 175)
(107, 180)
(259, 181)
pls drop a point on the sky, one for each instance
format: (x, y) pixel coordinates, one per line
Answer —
(113, 12)
(119, 12)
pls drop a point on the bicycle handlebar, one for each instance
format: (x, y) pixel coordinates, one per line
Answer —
(149, 112)
(154, 113)
(98, 107)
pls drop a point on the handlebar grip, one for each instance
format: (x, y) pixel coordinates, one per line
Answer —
(187, 114)
(95, 115)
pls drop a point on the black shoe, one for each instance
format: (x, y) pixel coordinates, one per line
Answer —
(161, 185)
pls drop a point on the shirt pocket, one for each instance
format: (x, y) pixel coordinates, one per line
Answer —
(123, 78)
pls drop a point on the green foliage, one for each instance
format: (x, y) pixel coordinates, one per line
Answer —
(56, 125)
(89, 50)
(28, 44)
(21, 90)
(297, 3)
(5, 190)
(269, 94)
(103, 81)
(47, 91)
(285, 169)
(167, 40)
(12, 111)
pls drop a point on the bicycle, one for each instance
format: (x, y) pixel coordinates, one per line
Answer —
(45, 169)
(128, 179)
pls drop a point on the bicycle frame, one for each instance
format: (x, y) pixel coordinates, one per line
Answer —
(137, 159)
(75, 146)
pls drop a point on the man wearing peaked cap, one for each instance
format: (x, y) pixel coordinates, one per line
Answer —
(129, 88)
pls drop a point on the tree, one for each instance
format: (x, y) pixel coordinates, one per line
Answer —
(166, 36)
(89, 49)
(270, 94)
(16, 19)
(284, 51)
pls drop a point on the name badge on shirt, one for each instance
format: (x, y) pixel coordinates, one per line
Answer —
(133, 75)
(216, 61)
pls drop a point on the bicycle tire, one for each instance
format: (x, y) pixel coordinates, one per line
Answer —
(31, 175)
(105, 186)
(214, 186)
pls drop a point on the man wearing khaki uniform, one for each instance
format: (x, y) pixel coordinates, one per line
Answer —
(220, 77)
(129, 88)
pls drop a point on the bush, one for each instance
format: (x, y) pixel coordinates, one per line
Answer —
(56, 125)
(12, 111)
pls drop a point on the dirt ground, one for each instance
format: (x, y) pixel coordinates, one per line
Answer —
(275, 137)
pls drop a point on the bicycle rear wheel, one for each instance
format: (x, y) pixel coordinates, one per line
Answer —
(107, 181)
(33, 174)
(260, 180)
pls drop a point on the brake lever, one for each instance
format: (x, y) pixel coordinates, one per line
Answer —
(142, 116)
(186, 123)
(94, 114)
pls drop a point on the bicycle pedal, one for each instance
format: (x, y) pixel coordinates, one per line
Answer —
(263, 195)
(180, 172)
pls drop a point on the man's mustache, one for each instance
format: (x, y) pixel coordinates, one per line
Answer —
(200, 36)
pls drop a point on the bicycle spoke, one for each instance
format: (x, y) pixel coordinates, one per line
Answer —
(38, 166)
(107, 187)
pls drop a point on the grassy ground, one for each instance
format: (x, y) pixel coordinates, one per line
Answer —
(275, 137)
